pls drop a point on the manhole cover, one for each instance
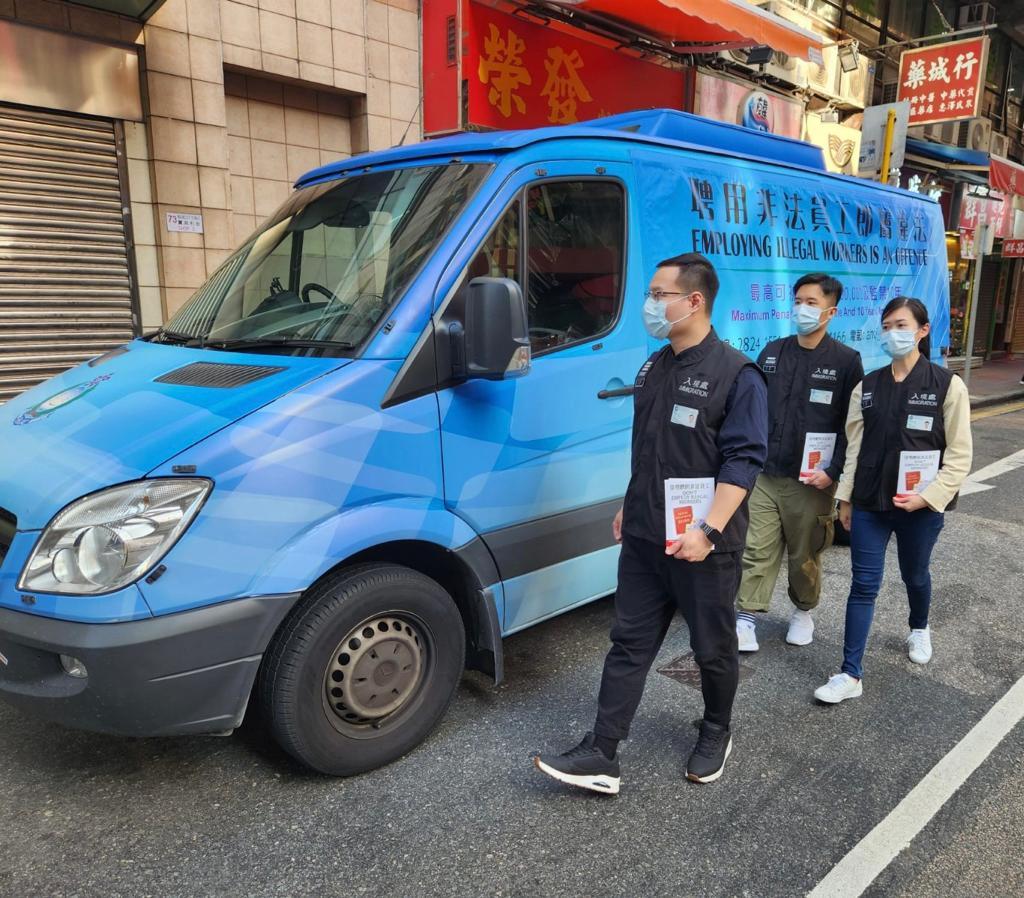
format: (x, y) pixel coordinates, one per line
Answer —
(684, 669)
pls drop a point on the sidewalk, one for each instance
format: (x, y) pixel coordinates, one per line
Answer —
(995, 382)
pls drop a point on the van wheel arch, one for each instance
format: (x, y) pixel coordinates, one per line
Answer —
(465, 574)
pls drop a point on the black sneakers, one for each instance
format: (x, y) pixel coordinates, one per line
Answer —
(714, 744)
(584, 766)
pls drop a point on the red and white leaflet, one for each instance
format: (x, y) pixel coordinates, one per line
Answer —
(818, 451)
(687, 503)
(917, 471)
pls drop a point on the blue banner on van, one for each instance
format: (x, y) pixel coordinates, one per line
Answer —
(765, 227)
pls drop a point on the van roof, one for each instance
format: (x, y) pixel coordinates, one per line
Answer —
(659, 126)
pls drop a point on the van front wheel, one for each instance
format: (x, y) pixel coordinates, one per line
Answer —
(363, 669)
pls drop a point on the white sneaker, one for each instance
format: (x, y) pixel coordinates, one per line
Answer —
(801, 628)
(841, 687)
(919, 646)
(746, 635)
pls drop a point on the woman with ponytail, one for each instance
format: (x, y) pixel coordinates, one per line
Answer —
(909, 450)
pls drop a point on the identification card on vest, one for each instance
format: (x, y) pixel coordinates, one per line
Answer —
(917, 471)
(919, 422)
(822, 396)
(818, 451)
(687, 503)
(683, 414)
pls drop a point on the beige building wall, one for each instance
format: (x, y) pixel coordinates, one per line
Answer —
(241, 97)
(276, 133)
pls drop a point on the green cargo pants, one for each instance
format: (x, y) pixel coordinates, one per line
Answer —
(786, 514)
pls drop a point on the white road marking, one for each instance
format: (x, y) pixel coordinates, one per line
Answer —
(1003, 466)
(974, 482)
(869, 857)
(971, 486)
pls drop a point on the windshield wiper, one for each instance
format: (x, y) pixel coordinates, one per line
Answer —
(272, 341)
(166, 336)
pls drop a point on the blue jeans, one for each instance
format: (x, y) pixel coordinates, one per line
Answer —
(916, 534)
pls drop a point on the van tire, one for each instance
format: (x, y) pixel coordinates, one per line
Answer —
(305, 709)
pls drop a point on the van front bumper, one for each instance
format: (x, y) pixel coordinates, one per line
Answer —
(183, 673)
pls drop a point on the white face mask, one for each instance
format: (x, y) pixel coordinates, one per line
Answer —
(807, 319)
(898, 344)
(656, 318)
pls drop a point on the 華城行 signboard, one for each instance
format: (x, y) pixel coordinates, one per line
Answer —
(945, 82)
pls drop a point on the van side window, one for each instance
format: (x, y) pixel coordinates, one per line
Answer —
(575, 246)
(498, 256)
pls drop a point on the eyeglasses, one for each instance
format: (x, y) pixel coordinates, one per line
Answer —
(659, 295)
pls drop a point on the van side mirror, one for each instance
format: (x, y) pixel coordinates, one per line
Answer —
(497, 338)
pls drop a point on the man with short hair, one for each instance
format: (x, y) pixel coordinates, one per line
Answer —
(699, 434)
(810, 379)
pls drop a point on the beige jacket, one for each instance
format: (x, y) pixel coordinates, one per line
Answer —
(956, 460)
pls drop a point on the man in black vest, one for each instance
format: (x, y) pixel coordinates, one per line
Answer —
(699, 441)
(810, 379)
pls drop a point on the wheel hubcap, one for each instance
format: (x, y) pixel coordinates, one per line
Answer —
(375, 669)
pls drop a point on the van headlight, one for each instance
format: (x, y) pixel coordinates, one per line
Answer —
(111, 538)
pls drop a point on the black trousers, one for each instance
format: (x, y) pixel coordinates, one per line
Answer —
(652, 585)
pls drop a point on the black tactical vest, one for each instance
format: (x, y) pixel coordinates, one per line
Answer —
(667, 391)
(808, 392)
(896, 416)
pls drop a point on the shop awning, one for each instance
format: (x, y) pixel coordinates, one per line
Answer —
(692, 24)
(949, 156)
(1006, 176)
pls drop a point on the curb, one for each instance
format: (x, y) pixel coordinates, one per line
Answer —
(997, 398)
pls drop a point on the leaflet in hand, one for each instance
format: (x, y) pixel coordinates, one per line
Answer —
(917, 471)
(687, 503)
(818, 451)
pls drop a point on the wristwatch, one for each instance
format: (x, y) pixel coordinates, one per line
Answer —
(714, 537)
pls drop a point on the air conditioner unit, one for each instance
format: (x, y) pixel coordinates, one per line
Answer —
(787, 69)
(999, 144)
(943, 132)
(975, 134)
(738, 58)
(824, 79)
(976, 14)
(786, 11)
(857, 87)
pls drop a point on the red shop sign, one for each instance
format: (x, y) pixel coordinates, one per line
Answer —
(1013, 249)
(1006, 176)
(995, 211)
(944, 83)
(523, 75)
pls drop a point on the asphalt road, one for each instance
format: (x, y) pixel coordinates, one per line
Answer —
(467, 815)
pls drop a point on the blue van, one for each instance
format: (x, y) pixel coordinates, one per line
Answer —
(393, 427)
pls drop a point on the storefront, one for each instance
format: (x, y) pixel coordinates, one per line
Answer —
(66, 290)
(490, 64)
(517, 71)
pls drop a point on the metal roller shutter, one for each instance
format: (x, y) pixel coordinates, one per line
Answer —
(65, 288)
(1018, 320)
(986, 304)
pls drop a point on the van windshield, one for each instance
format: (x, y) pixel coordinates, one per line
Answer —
(327, 266)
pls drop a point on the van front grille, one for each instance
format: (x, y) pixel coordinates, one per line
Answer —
(217, 374)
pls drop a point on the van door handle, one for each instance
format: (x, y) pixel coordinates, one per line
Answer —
(612, 394)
